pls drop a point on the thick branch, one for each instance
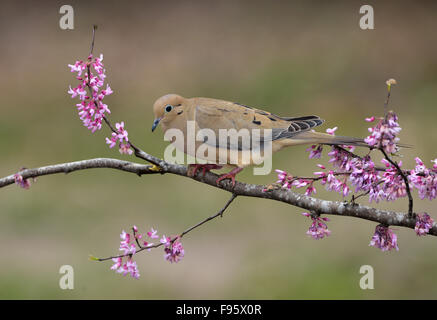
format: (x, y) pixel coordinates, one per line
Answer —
(314, 205)
(68, 167)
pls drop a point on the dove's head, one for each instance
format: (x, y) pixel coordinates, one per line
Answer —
(166, 108)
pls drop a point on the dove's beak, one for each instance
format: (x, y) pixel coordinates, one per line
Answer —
(155, 124)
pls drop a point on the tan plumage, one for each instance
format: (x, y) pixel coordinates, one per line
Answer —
(173, 111)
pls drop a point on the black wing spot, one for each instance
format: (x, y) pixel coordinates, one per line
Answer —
(273, 119)
(180, 112)
(255, 121)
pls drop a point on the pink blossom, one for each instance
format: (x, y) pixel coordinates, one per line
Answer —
(341, 159)
(364, 175)
(424, 180)
(423, 223)
(393, 185)
(152, 234)
(331, 131)
(91, 109)
(165, 240)
(318, 229)
(384, 238)
(126, 245)
(284, 179)
(117, 263)
(21, 182)
(435, 164)
(128, 267)
(118, 137)
(315, 151)
(310, 190)
(384, 134)
(174, 251)
(125, 148)
(113, 141)
(371, 119)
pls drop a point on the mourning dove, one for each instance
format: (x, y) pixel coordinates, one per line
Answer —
(173, 111)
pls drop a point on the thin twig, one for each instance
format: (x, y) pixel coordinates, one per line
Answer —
(220, 213)
(404, 177)
(92, 42)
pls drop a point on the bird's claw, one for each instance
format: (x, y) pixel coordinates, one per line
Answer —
(230, 175)
(193, 168)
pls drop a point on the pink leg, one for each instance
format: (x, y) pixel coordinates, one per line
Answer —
(230, 175)
(205, 168)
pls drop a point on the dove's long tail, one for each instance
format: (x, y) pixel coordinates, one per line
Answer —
(310, 137)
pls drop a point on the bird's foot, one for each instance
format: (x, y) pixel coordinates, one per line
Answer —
(193, 168)
(230, 175)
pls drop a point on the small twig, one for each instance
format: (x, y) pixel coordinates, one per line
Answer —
(404, 177)
(220, 213)
(135, 236)
(386, 103)
(92, 42)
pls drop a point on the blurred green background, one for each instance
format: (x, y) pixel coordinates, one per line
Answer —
(291, 58)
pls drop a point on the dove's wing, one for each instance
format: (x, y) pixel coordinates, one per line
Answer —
(219, 114)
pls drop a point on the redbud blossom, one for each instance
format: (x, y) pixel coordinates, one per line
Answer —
(331, 131)
(318, 229)
(127, 267)
(21, 182)
(384, 238)
(174, 251)
(424, 180)
(315, 151)
(423, 223)
(384, 134)
(91, 108)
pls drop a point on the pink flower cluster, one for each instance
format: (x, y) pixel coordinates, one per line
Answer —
(174, 251)
(131, 244)
(423, 223)
(424, 179)
(286, 181)
(127, 267)
(21, 182)
(91, 107)
(362, 174)
(384, 238)
(384, 134)
(315, 151)
(381, 184)
(318, 229)
(120, 136)
(392, 186)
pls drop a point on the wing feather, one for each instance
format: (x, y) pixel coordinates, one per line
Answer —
(219, 114)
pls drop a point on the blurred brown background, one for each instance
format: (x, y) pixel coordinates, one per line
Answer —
(291, 58)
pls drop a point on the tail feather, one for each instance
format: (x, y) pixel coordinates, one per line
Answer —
(311, 137)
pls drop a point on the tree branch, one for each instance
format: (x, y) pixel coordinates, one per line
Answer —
(317, 206)
(68, 167)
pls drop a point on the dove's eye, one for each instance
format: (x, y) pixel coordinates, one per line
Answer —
(168, 108)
